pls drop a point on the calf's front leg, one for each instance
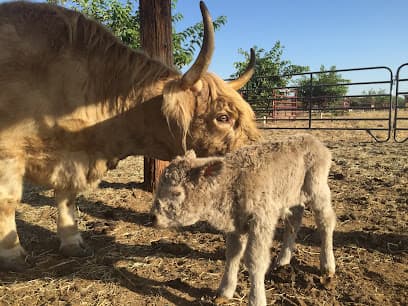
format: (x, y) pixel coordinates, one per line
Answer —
(235, 248)
(67, 228)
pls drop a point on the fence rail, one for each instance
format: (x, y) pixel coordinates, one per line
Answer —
(354, 103)
(401, 121)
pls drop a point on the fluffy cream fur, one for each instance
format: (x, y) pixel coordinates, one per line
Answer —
(244, 194)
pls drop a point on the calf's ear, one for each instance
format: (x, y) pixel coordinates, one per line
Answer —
(207, 167)
(213, 169)
(190, 154)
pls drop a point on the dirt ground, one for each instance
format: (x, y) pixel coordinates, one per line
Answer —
(135, 264)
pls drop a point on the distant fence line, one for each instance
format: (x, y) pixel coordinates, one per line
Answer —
(383, 110)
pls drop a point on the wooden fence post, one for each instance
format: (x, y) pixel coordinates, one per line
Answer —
(156, 40)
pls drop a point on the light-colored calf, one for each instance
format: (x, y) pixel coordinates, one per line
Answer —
(245, 194)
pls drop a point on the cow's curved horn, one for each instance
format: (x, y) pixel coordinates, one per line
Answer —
(246, 76)
(203, 60)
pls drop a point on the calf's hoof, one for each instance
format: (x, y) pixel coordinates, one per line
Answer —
(221, 300)
(328, 270)
(277, 265)
(76, 250)
(328, 281)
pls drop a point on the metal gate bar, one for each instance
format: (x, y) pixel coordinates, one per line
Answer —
(397, 117)
(263, 113)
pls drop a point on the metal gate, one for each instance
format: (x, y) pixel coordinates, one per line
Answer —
(306, 101)
(401, 104)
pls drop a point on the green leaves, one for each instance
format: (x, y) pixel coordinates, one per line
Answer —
(269, 63)
(122, 18)
(269, 73)
(324, 89)
(273, 72)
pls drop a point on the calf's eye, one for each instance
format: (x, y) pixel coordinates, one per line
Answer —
(176, 193)
(223, 118)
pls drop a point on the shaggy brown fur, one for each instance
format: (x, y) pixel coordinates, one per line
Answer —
(74, 100)
(244, 194)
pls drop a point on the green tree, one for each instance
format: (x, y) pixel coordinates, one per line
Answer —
(402, 101)
(324, 89)
(122, 18)
(375, 98)
(271, 72)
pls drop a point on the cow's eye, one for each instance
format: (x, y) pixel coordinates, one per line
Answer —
(223, 118)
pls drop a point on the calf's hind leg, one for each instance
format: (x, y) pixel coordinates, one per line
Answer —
(292, 225)
(325, 218)
(12, 254)
(67, 228)
(257, 257)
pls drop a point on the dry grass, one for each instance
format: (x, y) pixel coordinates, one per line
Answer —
(135, 264)
(369, 120)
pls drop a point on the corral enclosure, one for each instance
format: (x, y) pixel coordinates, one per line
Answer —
(372, 99)
(135, 264)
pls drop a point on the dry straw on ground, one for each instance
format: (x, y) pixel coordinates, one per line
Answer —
(135, 264)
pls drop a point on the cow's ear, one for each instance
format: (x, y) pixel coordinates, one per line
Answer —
(178, 107)
(197, 87)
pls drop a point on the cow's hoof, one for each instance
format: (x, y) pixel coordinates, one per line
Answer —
(76, 250)
(15, 264)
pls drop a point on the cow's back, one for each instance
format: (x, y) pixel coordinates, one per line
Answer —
(44, 63)
(34, 27)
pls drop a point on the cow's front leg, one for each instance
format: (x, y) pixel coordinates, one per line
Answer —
(67, 228)
(12, 254)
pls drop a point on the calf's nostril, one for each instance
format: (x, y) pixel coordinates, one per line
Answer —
(153, 219)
